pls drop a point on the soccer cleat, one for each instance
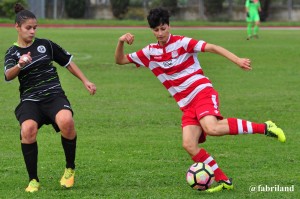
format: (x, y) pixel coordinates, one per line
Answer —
(273, 131)
(222, 185)
(249, 37)
(33, 186)
(67, 179)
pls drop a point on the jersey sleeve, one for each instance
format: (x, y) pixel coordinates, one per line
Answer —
(247, 3)
(193, 45)
(9, 61)
(60, 55)
(140, 58)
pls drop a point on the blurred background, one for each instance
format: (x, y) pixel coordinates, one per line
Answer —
(203, 10)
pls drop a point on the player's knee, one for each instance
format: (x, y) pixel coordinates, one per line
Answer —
(65, 123)
(211, 130)
(28, 133)
(64, 120)
(189, 147)
(67, 128)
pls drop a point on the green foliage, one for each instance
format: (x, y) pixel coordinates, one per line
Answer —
(182, 2)
(213, 7)
(171, 5)
(8, 7)
(75, 8)
(136, 3)
(135, 13)
(119, 8)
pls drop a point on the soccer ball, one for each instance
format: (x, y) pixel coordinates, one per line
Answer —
(200, 176)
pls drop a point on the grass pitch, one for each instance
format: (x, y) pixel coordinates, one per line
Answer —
(129, 134)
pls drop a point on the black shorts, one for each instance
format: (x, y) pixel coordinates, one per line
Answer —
(43, 112)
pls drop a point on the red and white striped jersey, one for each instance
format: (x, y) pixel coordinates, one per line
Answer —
(176, 66)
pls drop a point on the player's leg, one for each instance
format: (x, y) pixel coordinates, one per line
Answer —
(65, 122)
(214, 127)
(249, 25)
(249, 30)
(59, 110)
(28, 115)
(256, 29)
(29, 129)
(235, 126)
(190, 137)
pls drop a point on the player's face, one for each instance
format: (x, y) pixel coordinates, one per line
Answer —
(26, 31)
(161, 33)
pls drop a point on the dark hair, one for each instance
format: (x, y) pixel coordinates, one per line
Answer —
(22, 14)
(158, 16)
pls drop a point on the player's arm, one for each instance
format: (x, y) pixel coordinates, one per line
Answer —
(120, 57)
(247, 7)
(14, 71)
(73, 68)
(244, 63)
(259, 7)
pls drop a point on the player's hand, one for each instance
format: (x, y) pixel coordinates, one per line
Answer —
(25, 59)
(91, 87)
(244, 63)
(128, 38)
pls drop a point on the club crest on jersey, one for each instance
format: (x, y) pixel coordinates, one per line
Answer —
(41, 49)
(167, 64)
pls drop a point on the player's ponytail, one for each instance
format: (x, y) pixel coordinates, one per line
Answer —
(22, 14)
(18, 8)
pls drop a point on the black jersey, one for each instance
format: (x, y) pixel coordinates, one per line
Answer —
(39, 79)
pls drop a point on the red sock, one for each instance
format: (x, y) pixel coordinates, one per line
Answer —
(239, 126)
(204, 157)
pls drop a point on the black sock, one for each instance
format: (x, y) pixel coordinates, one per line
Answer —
(30, 154)
(70, 151)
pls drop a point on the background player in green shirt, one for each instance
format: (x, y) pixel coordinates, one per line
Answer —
(253, 20)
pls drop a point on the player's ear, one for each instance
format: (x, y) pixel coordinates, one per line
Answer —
(17, 27)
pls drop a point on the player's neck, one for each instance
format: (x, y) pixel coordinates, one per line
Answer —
(23, 44)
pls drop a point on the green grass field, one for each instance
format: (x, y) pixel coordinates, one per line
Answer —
(129, 134)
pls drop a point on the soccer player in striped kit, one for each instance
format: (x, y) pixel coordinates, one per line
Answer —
(43, 100)
(173, 60)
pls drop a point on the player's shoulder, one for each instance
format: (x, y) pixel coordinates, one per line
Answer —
(180, 38)
(152, 46)
(11, 48)
(177, 37)
(42, 41)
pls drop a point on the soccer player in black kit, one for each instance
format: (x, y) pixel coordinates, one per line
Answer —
(42, 99)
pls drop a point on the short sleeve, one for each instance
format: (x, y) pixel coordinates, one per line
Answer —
(9, 60)
(140, 58)
(247, 3)
(60, 55)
